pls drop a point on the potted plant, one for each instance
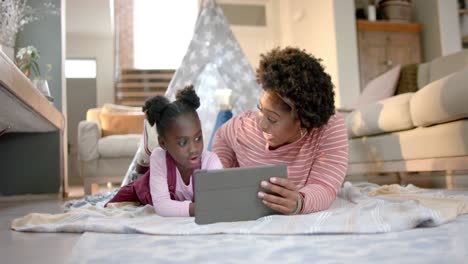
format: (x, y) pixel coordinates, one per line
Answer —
(27, 61)
(14, 15)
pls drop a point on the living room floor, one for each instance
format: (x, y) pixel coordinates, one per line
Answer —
(19, 247)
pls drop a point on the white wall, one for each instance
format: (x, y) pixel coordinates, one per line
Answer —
(100, 48)
(257, 40)
(441, 30)
(327, 30)
(347, 52)
(450, 30)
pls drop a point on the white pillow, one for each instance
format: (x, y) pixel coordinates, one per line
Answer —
(379, 88)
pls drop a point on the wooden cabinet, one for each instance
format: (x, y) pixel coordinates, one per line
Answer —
(32, 153)
(464, 27)
(383, 44)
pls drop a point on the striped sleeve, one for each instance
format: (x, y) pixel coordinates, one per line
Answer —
(212, 161)
(223, 143)
(329, 168)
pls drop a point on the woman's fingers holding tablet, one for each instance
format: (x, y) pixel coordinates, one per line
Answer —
(283, 182)
(283, 197)
(277, 207)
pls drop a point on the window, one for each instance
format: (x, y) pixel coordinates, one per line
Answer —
(162, 31)
(79, 68)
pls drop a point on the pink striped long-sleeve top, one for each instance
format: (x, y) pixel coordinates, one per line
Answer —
(162, 202)
(317, 162)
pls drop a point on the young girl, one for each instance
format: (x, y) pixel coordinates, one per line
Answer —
(180, 152)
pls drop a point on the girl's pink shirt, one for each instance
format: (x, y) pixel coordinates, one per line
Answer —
(162, 202)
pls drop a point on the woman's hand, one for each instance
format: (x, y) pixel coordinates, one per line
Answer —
(283, 197)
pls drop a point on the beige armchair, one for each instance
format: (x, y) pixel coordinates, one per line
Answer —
(107, 142)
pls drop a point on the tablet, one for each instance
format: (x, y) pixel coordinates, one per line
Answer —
(229, 195)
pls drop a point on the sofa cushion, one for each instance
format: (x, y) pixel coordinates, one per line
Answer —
(441, 67)
(391, 114)
(93, 115)
(113, 108)
(117, 146)
(121, 123)
(441, 101)
(443, 140)
(379, 88)
(89, 134)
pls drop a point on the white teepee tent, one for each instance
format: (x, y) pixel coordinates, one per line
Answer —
(214, 60)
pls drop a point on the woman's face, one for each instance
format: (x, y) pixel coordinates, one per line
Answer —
(184, 141)
(278, 122)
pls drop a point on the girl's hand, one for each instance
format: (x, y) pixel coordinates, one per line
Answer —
(283, 197)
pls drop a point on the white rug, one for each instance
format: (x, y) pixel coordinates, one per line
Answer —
(364, 208)
(443, 244)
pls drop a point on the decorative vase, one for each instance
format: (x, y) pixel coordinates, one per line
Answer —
(396, 10)
(43, 86)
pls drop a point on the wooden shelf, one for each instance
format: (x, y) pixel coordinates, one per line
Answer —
(465, 39)
(391, 26)
(22, 107)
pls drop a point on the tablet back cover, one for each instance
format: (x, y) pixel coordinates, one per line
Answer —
(229, 195)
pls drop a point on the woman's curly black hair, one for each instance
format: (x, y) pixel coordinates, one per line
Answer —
(161, 112)
(294, 74)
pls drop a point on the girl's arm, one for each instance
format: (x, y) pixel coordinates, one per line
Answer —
(162, 202)
(210, 162)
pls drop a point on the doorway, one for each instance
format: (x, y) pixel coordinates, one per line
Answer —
(81, 96)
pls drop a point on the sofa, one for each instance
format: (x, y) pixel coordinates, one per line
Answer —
(107, 142)
(419, 131)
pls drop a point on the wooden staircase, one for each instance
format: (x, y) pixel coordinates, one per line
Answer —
(135, 86)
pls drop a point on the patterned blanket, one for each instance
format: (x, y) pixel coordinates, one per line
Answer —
(359, 208)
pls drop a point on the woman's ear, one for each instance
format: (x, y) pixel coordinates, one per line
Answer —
(162, 142)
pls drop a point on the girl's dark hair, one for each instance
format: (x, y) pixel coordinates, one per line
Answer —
(161, 112)
(293, 73)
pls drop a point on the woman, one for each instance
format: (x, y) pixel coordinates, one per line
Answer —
(296, 125)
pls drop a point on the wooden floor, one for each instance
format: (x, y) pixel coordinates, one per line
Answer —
(19, 247)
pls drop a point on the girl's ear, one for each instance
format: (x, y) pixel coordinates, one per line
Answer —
(162, 142)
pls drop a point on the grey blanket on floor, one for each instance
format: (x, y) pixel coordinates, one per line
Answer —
(362, 208)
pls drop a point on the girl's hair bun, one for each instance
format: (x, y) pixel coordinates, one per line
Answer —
(188, 97)
(154, 107)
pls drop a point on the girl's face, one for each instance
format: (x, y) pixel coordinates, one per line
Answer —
(278, 122)
(184, 141)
